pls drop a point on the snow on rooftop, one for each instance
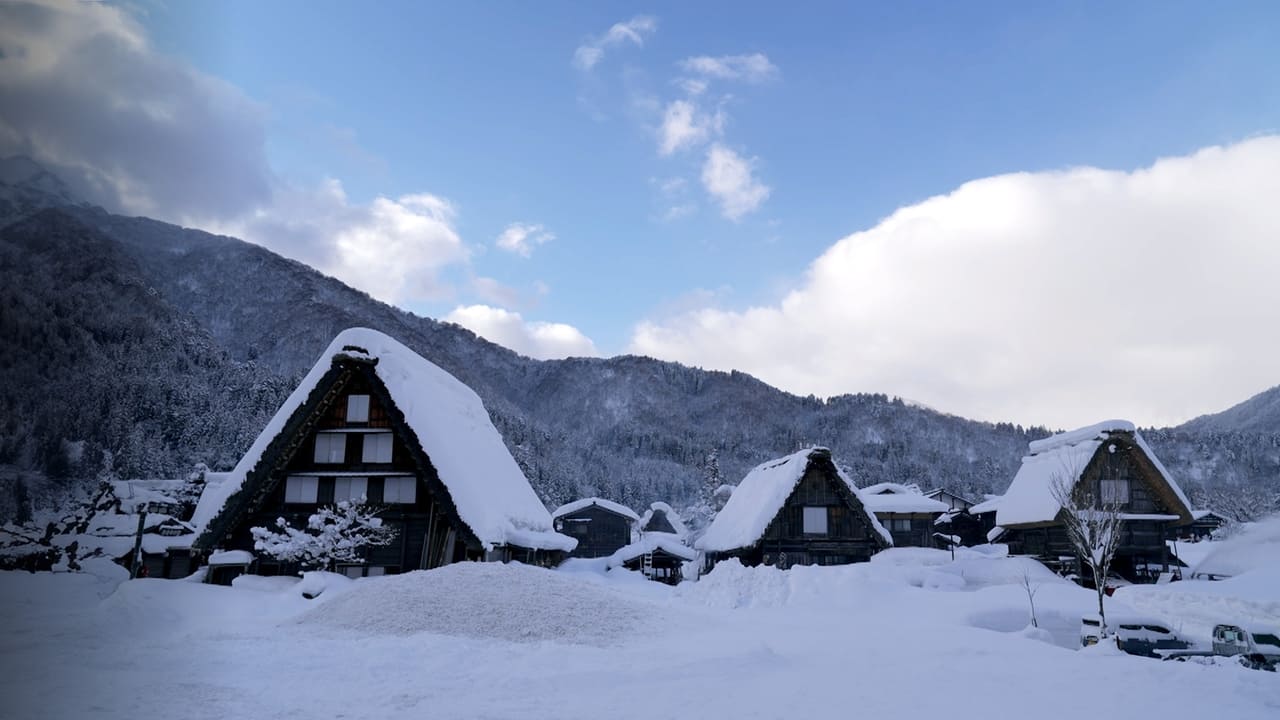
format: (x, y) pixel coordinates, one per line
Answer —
(1075, 437)
(894, 498)
(649, 543)
(672, 517)
(991, 503)
(758, 498)
(231, 557)
(491, 494)
(584, 503)
(1065, 455)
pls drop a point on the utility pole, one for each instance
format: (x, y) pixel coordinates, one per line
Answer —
(137, 541)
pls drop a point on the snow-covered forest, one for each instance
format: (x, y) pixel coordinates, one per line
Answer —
(138, 349)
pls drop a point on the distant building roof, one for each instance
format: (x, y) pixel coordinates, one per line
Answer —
(761, 494)
(584, 503)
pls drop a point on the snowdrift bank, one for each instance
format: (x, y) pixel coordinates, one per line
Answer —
(514, 602)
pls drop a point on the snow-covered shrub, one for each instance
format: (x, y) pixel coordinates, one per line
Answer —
(333, 534)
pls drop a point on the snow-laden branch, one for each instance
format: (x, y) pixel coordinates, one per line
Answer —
(336, 534)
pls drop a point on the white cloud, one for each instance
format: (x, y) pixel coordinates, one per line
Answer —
(393, 249)
(520, 238)
(685, 125)
(541, 340)
(83, 93)
(631, 32)
(729, 179)
(753, 68)
(1053, 297)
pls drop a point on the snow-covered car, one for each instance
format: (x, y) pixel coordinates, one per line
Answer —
(1136, 635)
(1259, 648)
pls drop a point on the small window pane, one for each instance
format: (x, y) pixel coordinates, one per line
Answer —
(376, 571)
(300, 489)
(358, 408)
(350, 489)
(331, 448)
(353, 571)
(401, 490)
(815, 521)
(377, 448)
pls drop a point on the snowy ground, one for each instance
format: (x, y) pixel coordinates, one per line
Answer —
(910, 633)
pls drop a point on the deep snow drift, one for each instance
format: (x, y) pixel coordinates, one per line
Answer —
(531, 605)
(911, 633)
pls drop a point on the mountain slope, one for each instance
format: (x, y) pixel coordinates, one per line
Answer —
(1260, 413)
(219, 329)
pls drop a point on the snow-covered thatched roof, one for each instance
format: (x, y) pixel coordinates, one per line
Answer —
(584, 503)
(491, 494)
(889, 497)
(1030, 498)
(758, 498)
(672, 517)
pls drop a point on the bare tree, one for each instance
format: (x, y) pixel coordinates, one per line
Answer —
(1031, 587)
(1094, 527)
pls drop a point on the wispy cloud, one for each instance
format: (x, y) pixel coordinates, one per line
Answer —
(520, 238)
(685, 125)
(729, 179)
(753, 68)
(631, 32)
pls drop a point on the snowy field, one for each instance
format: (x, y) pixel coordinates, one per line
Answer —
(909, 634)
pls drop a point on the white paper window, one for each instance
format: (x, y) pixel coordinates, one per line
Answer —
(350, 489)
(358, 408)
(331, 447)
(375, 571)
(402, 490)
(300, 489)
(815, 521)
(1115, 492)
(377, 448)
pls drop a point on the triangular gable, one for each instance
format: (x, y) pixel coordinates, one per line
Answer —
(269, 472)
(461, 456)
(1080, 454)
(762, 494)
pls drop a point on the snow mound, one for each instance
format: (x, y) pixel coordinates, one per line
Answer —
(513, 602)
(1257, 547)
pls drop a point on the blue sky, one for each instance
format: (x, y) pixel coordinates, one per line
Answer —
(853, 112)
(874, 107)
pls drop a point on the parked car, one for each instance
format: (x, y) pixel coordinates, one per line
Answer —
(1259, 647)
(1136, 635)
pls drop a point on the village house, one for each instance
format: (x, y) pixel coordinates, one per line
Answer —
(1203, 524)
(660, 553)
(952, 500)
(661, 518)
(905, 512)
(795, 510)
(600, 526)
(1113, 464)
(658, 556)
(373, 421)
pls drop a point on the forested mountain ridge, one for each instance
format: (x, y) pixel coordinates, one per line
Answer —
(173, 346)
